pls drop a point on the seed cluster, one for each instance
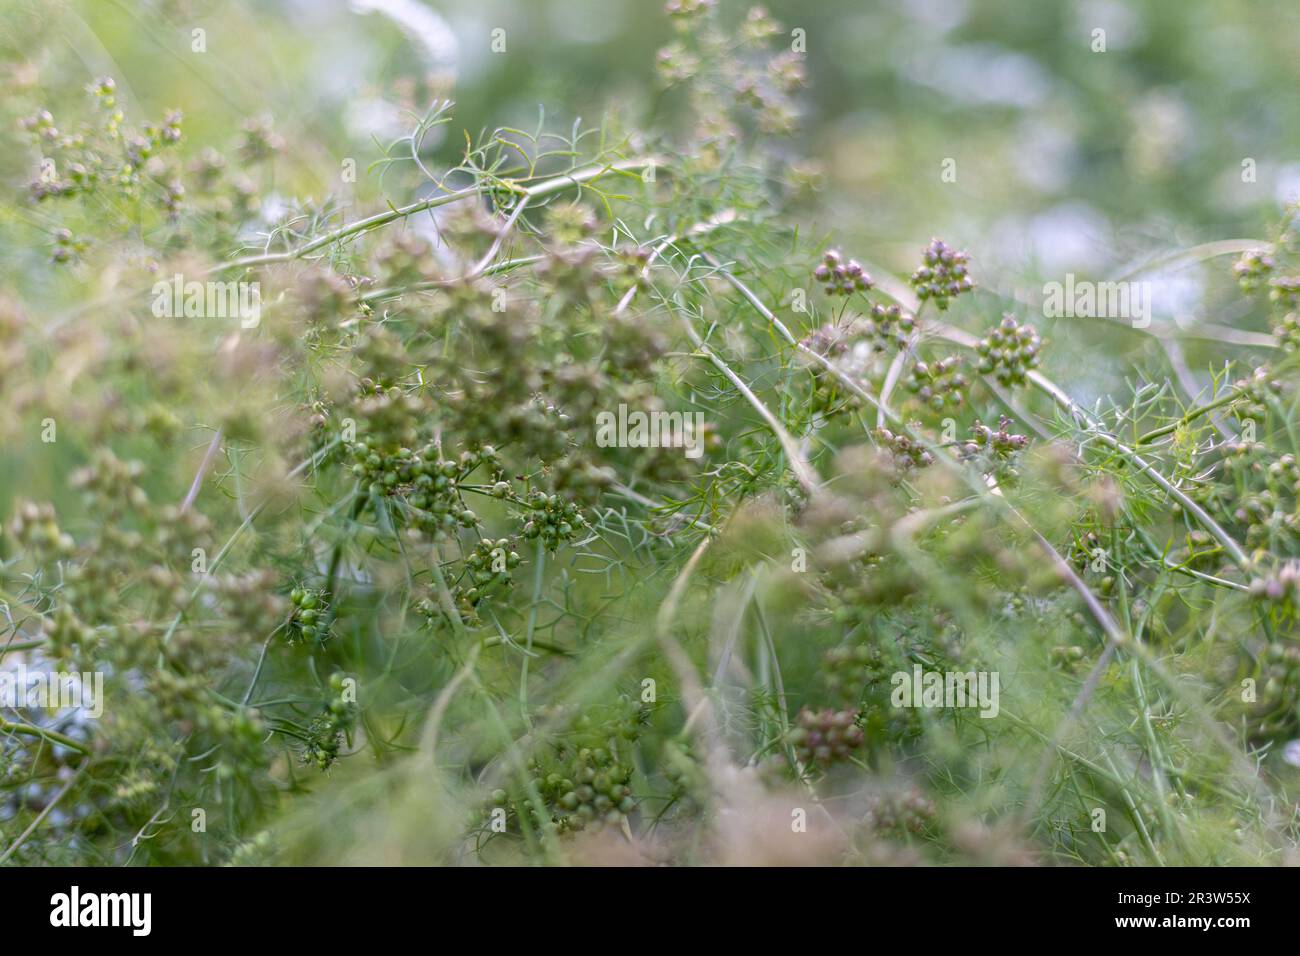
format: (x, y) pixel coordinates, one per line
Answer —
(589, 793)
(943, 275)
(552, 519)
(36, 528)
(1278, 687)
(310, 614)
(67, 247)
(1001, 442)
(327, 731)
(1252, 269)
(1066, 656)
(890, 326)
(839, 277)
(1270, 514)
(758, 27)
(598, 792)
(896, 813)
(107, 154)
(1256, 390)
(428, 482)
(1282, 586)
(1287, 331)
(1284, 474)
(687, 8)
(1009, 352)
(1244, 456)
(938, 384)
(1284, 291)
(824, 737)
(488, 568)
(907, 453)
(1256, 268)
(828, 340)
(586, 783)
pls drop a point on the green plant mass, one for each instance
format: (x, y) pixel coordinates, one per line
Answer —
(639, 435)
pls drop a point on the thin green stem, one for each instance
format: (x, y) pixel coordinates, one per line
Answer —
(28, 730)
(539, 569)
(539, 190)
(1227, 398)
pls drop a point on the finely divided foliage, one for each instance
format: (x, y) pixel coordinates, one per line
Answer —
(364, 585)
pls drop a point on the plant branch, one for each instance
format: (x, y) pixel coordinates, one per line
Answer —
(539, 190)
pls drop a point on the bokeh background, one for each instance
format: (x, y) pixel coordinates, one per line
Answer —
(1064, 155)
(1066, 158)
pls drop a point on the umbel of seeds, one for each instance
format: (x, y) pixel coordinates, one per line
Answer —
(308, 612)
(1010, 351)
(890, 325)
(938, 383)
(826, 736)
(907, 454)
(839, 277)
(1002, 441)
(1253, 268)
(942, 275)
